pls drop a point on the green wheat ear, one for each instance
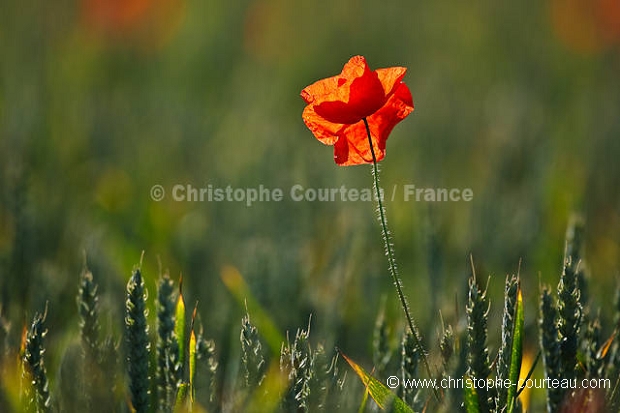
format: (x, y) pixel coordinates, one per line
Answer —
(296, 359)
(205, 352)
(326, 384)
(447, 348)
(88, 309)
(409, 362)
(570, 313)
(136, 339)
(165, 377)
(97, 371)
(478, 353)
(575, 234)
(450, 360)
(34, 372)
(508, 322)
(252, 357)
(550, 346)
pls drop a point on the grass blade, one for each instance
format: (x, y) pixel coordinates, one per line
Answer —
(516, 353)
(379, 392)
(179, 326)
(192, 358)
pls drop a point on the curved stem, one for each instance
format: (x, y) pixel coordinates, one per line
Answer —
(391, 259)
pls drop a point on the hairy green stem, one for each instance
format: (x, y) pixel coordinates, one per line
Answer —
(391, 259)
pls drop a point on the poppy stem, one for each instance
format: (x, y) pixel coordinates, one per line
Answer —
(391, 259)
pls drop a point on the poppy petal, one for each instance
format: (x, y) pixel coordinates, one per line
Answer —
(319, 89)
(353, 148)
(326, 132)
(359, 93)
(335, 88)
(391, 77)
(397, 108)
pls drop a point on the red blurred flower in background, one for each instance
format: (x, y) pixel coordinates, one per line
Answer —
(337, 107)
(586, 27)
(148, 24)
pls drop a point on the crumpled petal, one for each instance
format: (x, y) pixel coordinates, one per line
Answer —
(338, 105)
(352, 147)
(391, 77)
(325, 131)
(348, 98)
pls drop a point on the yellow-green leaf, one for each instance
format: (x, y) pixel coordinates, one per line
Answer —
(379, 392)
(192, 364)
(179, 324)
(516, 354)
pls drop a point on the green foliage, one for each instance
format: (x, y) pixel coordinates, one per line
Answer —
(308, 378)
(571, 343)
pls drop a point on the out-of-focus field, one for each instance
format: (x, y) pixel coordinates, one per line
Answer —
(101, 100)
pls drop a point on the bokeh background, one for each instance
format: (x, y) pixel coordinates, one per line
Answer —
(102, 99)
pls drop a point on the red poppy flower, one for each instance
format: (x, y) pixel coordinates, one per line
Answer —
(338, 105)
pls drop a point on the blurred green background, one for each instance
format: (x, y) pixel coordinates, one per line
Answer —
(102, 99)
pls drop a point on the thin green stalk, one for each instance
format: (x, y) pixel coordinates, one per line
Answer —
(392, 260)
